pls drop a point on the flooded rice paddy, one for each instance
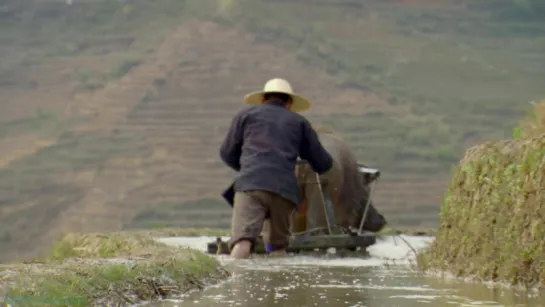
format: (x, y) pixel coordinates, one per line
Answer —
(383, 279)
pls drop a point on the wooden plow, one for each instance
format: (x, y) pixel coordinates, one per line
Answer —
(322, 238)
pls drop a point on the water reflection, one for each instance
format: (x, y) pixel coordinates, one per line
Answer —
(368, 286)
(310, 281)
(294, 287)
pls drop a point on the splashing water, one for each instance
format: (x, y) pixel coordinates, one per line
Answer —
(385, 278)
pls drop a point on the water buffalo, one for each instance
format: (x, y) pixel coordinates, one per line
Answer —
(347, 184)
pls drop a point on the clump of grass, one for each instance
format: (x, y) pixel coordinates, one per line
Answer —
(88, 79)
(123, 67)
(121, 244)
(102, 245)
(534, 123)
(169, 273)
(492, 218)
(83, 273)
(42, 121)
(188, 232)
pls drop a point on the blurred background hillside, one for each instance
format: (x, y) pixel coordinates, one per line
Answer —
(112, 112)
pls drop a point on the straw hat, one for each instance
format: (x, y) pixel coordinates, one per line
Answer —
(277, 85)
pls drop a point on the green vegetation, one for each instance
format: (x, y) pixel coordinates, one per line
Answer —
(82, 271)
(447, 64)
(123, 67)
(86, 29)
(186, 232)
(42, 122)
(102, 246)
(534, 124)
(87, 79)
(92, 79)
(444, 63)
(492, 218)
(33, 177)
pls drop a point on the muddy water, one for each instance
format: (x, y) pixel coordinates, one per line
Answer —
(383, 279)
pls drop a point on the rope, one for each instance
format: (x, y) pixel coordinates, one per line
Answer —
(323, 203)
(371, 185)
(319, 183)
(317, 229)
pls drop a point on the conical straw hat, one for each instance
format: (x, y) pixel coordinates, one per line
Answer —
(278, 85)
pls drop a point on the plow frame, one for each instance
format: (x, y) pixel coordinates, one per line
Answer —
(315, 240)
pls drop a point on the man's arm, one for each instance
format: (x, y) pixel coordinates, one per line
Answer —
(231, 149)
(313, 151)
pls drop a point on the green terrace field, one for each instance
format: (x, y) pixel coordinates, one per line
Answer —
(449, 65)
(194, 214)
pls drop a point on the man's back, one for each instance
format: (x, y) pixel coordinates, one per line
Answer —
(273, 137)
(262, 144)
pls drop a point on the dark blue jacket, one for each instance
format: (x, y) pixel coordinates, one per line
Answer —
(263, 144)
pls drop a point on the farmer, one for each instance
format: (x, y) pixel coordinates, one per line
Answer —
(262, 145)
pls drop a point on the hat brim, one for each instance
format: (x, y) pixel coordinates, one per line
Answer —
(300, 104)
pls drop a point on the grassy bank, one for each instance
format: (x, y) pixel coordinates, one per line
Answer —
(117, 269)
(492, 218)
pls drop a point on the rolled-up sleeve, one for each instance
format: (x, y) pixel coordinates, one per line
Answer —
(231, 148)
(313, 151)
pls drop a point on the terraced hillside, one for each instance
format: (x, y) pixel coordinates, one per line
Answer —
(187, 123)
(113, 116)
